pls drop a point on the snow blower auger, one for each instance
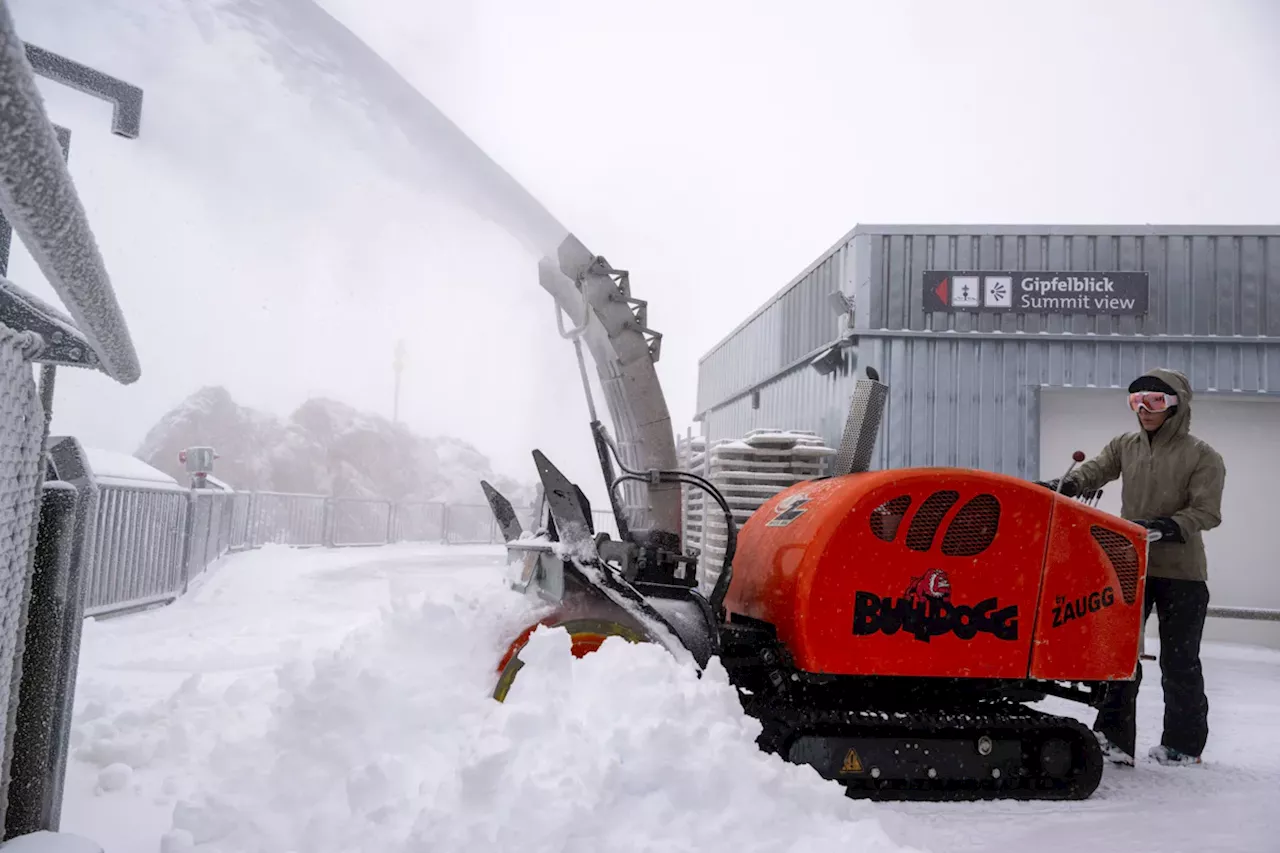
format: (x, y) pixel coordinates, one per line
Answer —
(888, 628)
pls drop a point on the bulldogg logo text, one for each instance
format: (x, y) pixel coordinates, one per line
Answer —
(926, 610)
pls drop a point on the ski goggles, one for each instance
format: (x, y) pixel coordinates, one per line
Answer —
(1152, 401)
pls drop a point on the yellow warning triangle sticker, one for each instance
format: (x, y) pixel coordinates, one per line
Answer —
(852, 764)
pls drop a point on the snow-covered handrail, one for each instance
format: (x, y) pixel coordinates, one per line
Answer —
(40, 201)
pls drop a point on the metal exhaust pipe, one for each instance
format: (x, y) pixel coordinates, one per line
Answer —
(866, 410)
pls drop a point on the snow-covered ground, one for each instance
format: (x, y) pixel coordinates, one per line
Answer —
(339, 701)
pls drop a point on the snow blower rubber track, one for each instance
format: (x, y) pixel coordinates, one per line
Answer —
(909, 742)
(986, 752)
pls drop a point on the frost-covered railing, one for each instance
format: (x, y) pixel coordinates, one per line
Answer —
(154, 538)
(361, 521)
(140, 543)
(277, 518)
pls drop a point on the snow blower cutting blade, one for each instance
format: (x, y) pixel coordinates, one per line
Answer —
(568, 508)
(504, 512)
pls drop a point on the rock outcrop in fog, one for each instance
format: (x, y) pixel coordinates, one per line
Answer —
(324, 447)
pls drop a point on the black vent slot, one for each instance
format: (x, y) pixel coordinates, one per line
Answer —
(887, 518)
(924, 525)
(1123, 558)
(974, 528)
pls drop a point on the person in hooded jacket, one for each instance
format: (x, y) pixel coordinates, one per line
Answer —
(1172, 482)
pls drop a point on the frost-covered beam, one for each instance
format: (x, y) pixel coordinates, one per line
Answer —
(125, 98)
(40, 201)
(6, 230)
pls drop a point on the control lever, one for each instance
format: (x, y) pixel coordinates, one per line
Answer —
(1092, 498)
(1076, 459)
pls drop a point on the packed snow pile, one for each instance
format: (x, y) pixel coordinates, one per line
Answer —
(380, 746)
(389, 740)
(324, 447)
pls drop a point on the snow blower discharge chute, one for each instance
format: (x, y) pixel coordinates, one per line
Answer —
(886, 627)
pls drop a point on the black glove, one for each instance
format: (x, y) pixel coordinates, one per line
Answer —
(1069, 488)
(1169, 529)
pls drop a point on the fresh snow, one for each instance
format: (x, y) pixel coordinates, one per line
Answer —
(121, 468)
(49, 842)
(339, 701)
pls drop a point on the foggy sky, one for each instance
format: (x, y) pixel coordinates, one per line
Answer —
(713, 149)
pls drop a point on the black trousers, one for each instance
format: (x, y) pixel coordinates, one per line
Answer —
(1180, 606)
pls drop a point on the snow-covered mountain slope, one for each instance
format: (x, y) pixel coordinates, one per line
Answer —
(323, 447)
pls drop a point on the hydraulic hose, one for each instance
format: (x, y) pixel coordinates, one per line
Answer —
(721, 588)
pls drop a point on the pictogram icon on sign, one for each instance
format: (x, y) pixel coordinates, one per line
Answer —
(964, 291)
(999, 291)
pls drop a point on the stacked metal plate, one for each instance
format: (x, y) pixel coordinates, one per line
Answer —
(691, 452)
(748, 472)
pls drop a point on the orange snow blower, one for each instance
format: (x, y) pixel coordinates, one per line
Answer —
(888, 628)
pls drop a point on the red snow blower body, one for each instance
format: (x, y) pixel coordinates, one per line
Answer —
(941, 573)
(891, 628)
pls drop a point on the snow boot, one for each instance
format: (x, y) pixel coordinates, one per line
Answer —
(1113, 753)
(1168, 755)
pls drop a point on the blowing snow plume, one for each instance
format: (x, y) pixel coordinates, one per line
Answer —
(613, 333)
(291, 208)
(302, 36)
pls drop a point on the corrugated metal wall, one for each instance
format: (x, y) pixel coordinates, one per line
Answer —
(1221, 282)
(798, 320)
(964, 387)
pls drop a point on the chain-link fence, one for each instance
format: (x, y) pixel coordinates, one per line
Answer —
(22, 424)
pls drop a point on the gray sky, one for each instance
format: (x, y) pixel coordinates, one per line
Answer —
(713, 149)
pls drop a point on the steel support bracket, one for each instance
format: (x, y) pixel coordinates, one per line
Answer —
(63, 343)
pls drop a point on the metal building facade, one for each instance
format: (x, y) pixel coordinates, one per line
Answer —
(964, 387)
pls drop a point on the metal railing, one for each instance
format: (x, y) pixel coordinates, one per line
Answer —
(140, 542)
(276, 518)
(362, 521)
(154, 539)
(1261, 614)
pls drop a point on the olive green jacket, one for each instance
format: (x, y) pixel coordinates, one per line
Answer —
(1170, 474)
